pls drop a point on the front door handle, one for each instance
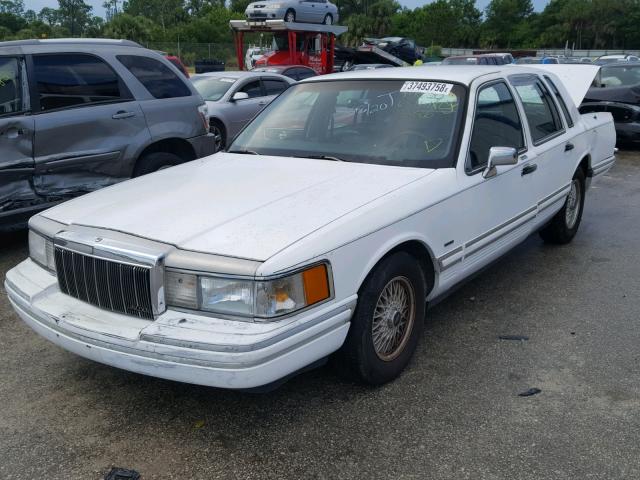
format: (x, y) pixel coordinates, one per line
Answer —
(568, 147)
(262, 104)
(527, 169)
(122, 114)
(12, 132)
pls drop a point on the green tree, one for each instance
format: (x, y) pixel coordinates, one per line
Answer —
(74, 15)
(166, 13)
(503, 19)
(15, 7)
(125, 26)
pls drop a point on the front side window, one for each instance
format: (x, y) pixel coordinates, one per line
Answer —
(539, 108)
(252, 89)
(155, 76)
(387, 122)
(496, 124)
(10, 86)
(73, 80)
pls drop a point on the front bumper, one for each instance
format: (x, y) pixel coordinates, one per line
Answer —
(203, 145)
(262, 14)
(177, 345)
(626, 118)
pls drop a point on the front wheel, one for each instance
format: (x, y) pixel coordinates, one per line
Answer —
(328, 19)
(564, 225)
(387, 323)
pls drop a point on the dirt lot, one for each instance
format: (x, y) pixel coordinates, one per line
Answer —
(454, 414)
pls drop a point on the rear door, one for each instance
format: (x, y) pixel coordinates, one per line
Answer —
(272, 88)
(87, 124)
(552, 156)
(16, 136)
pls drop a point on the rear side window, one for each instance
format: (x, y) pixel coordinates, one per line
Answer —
(563, 106)
(542, 115)
(496, 124)
(73, 80)
(274, 87)
(10, 86)
(156, 77)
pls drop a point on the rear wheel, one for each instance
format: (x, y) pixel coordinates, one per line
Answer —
(219, 135)
(564, 225)
(154, 161)
(290, 16)
(387, 324)
(328, 19)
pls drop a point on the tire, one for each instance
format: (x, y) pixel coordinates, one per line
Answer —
(290, 16)
(328, 19)
(363, 356)
(220, 135)
(564, 225)
(152, 162)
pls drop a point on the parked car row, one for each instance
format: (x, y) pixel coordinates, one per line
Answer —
(330, 222)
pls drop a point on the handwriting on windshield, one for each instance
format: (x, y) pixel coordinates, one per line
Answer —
(387, 101)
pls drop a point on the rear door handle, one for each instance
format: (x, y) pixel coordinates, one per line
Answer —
(527, 169)
(568, 147)
(123, 114)
(12, 132)
(262, 104)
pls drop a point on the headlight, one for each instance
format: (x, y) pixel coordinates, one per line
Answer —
(41, 251)
(262, 299)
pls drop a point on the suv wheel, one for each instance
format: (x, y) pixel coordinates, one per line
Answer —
(152, 162)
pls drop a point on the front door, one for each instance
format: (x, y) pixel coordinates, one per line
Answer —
(244, 110)
(86, 120)
(16, 137)
(494, 213)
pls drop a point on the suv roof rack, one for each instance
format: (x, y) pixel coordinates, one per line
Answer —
(83, 41)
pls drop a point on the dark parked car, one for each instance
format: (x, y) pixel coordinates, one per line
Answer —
(403, 48)
(296, 72)
(475, 60)
(616, 89)
(369, 66)
(80, 114)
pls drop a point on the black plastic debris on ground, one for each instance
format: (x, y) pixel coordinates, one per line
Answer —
(513, 337)
(531, 391)
(122, 474)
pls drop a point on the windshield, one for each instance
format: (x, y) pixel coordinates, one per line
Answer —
(388, 122)
(212, 88)
(620, 76)
(460, 61)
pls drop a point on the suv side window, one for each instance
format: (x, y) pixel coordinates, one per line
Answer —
(542, 115)
(10, 86)
(496, 124)
(73, 80)
(274, 87)
(156, 77)
(563, 106)
(252, 89)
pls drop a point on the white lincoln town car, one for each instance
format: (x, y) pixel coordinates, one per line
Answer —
(330, 223)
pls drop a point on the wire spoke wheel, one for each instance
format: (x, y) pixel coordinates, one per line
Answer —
(573, 204)
(393, 318)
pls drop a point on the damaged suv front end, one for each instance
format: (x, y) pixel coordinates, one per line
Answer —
(616, 89)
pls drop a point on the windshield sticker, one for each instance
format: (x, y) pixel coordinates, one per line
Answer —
(434, 88)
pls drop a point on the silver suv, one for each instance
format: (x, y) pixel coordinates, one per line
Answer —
(79, 114)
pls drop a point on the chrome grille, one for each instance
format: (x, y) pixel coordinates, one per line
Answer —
(115, 286)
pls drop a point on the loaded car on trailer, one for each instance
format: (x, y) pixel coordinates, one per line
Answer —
(80, 114)
(322, 233)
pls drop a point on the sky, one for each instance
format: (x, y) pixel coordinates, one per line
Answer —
(37, 5)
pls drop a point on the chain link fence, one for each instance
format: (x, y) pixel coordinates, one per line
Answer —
(189, 53)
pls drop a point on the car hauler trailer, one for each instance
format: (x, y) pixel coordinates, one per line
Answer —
(294, 43)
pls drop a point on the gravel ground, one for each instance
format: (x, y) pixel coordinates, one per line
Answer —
(455, 413)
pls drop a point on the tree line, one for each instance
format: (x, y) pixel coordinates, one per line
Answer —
(504, 24)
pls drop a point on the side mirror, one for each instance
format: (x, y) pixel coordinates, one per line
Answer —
(499, 156)
(239, 96)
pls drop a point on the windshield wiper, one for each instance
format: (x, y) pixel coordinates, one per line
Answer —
(250, 152)
(322, 157)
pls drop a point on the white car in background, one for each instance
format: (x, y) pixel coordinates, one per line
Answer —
(337, 214)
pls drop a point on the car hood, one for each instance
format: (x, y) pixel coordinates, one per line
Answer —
(244, 206)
